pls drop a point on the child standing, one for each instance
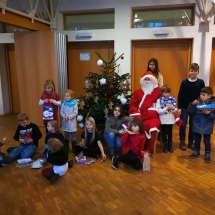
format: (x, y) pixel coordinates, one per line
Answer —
(153, 67)
(166, 106)
(4, 160)
(90, 145)
(188, 92)
(58, 157)
(203, 122)
(69, 111)
(53, 132)
(28, 134)
(113, 128)
(133, 144)
(50, 100)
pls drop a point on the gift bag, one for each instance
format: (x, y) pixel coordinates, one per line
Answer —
(48, 112)
(146, 162)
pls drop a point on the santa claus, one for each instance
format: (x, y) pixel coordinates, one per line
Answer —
(142, 106)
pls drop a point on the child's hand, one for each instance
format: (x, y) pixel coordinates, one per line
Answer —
(22, 140)
(4, 141)
(206, 111)
(51, 100)
(66, 118)
(195, 102)
(103, 157)
(121, 131)
(46, 100)
(29, 140)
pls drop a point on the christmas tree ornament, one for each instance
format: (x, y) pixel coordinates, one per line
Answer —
(105, 70)
(80, 118)
(87, 83)
(90, 75)
(97, 83)
(106, 112)
(110, 105)
(88, 105)
(96, 98)
(105, 94)
(99, 62)
(121, 85)
(81, 125)
(111, 86)
(123, 101)
(122, 57)
(81, 104)
(102, 81)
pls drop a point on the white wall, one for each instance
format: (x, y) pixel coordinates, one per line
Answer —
(123, 34)
(4, 93)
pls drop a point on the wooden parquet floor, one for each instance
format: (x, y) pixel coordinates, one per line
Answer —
(176, 184)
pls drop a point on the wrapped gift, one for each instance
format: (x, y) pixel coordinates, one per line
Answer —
(80, 158)
(146, 162)
(210, 107)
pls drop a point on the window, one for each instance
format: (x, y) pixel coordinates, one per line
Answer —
(163, 17)
(74, 22)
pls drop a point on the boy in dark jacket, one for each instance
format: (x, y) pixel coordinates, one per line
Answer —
(28, 134)
(188, 92)
(203, 121)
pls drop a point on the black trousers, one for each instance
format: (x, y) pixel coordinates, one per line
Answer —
(132, 158)
(90, 151)
(5, 160)
(166, 131)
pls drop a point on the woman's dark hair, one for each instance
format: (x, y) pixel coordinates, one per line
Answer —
(156, 70)
(121, 110)
(137, 122)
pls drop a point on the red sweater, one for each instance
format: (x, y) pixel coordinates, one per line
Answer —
(134, 142)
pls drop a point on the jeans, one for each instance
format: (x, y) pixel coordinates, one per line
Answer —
(23, 151)
(184, 116)
(73, 135)
(113, 140)
(207, 142)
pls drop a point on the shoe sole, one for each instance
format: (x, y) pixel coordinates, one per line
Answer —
(194, 157)
(207, 161)
(113, 165)
(54, 179)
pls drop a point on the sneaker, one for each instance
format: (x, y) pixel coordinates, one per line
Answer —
(195, 154)
(54, 178)
(115, 162)
(207, 158)
(70, 164)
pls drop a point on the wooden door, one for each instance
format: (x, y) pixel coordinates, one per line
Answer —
(35, 63)
(12, 77)
(78, 69)
(212, 72)
(173, 60)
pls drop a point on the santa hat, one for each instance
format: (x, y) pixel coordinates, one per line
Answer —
(150, 75)
(125, 126)
(178, 121)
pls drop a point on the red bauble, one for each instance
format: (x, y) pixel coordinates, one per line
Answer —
(105, 94)
(129, 103)
(122, 57)
(111, 86)
(105, 70)
(88, 105)
(90, 75)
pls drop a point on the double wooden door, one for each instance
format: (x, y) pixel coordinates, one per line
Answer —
(173, 59)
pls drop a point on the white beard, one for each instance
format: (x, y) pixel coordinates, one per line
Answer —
(147, 88)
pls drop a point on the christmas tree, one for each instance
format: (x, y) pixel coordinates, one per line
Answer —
(103, 91)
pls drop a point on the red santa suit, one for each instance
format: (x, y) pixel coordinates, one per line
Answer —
(142, 106)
